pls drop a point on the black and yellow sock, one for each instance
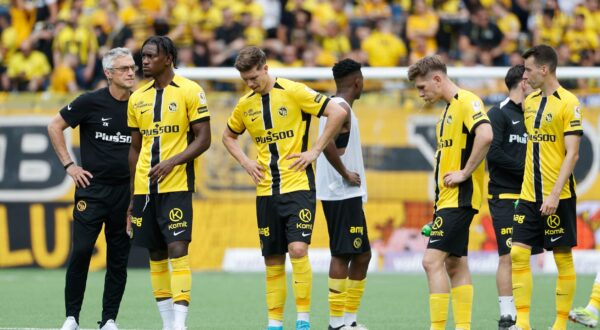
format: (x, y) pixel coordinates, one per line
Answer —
(337, 296)
(462, 305)
(438, 310)
(302, 277)
(276, 291)
(355, 292)
(181, 279)
(565, 288)
(160, 279)
(522, 284)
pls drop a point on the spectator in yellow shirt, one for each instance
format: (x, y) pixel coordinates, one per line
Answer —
(205, 20)
(509, 24)
(382, 47)
(548, 31)
(335, 42)
(580, 40)
(421, 28)
(28, 69)
(63, 79)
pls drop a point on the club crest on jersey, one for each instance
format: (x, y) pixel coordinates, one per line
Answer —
(172, 107)
(283, 111)
(549, 117)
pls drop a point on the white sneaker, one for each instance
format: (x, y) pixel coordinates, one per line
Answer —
(70, 324)
(355, 326)
(110, 325)
(514, 327)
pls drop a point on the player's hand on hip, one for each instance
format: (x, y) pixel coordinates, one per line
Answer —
(549, 205)
(79, 175)
(303, 160)
(452, 179)
(255, 170)
(161, 170)
(353, 178)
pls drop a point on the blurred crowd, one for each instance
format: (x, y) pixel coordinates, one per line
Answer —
(57, 45)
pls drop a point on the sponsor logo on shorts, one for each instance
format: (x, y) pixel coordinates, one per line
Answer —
(554, 239)
(175, 215)
(506, 231)
(304, 226)
(178, 232)
(434, 240)
(437, 224)
(356, 230)
(553, 221)
(264, 231)
(305, 215)
(509, 242)
(136, 221)
(357, 243)
(81, 206)
(306, 234)
(519, 218)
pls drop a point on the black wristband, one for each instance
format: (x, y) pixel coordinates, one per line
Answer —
(69, 164)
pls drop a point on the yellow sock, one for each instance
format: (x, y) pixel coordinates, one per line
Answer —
(462, 304)
(181, 279)
(438, 310)
(337, 296)
(355, 293)
(565, 288)
(276, 291)
(522, 284)
(302, 277)
(595, 297)
(160, 279)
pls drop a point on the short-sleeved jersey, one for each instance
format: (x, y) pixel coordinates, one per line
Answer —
(103, 133)
(164, 118)
(455, 132)
(547, 120)
(279, 123)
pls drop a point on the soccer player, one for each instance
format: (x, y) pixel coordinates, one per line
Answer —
(102, 183)
(342, 189)
(546, 215)
(170, 126)
(588, 315)
(464, 135)
(277, 115)
(506, 161)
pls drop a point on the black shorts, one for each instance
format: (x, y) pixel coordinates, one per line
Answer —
(533, 229)
(160, 219)
(347, 226)
(99, 203)
(502, 211)
(283, 219)
(450, 230)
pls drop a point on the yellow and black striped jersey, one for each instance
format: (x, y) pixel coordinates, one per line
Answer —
(164, 118)
(279, 123)
(455, 132)
(547, 120)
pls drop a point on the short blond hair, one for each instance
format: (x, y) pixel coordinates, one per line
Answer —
(250, 58)
(426, 65)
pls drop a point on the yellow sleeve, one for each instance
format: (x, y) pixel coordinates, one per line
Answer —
(308, 100)
(235, 122)
(197, 107)
(132, 121)
(474, 113)
(572, 118)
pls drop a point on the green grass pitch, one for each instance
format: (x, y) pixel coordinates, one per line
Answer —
(31, 298)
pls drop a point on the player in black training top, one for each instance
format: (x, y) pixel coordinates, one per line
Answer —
(506, 161)
(102, 180)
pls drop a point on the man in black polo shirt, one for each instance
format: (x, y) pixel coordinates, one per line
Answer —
(506, 161)
(102, 180)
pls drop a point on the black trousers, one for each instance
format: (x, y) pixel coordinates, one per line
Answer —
(96, 205)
